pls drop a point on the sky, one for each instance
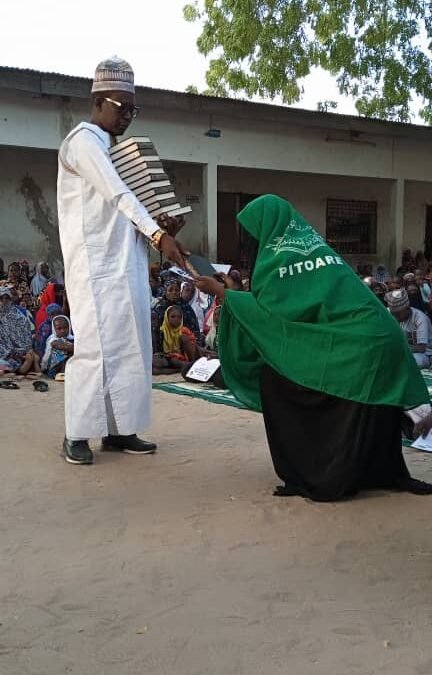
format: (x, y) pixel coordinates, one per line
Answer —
(73, 37)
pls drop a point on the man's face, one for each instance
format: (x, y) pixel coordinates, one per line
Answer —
(45, 270)
(116, 118)
(401, 314)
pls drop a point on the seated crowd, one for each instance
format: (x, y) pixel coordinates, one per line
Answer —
(36, 334)
(184, 320)
(408, 296)
(35, 331)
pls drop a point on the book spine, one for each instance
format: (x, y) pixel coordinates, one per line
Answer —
(133, 140)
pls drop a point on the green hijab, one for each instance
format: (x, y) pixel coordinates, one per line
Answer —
(311, 319)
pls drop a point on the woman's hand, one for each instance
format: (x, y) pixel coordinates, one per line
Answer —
(210, 286)
(229, 282)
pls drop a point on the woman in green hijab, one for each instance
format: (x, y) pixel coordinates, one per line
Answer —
(313, 349)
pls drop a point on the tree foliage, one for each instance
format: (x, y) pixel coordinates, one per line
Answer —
(378, 51)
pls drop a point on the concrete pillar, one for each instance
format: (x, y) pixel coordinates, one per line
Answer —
(397, 219)
(210, 185)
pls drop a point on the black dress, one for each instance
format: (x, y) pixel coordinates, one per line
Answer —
(327, 448)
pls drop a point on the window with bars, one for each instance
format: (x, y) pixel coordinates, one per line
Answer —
(351, 225)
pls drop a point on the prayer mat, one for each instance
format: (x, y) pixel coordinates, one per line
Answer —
(427, 376)
(205, 391)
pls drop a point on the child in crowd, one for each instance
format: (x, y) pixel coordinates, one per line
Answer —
(211, 341)
(177, 344)
(45, 328)
(59, 347)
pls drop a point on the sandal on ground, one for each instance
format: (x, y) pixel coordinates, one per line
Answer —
(39, 385)
(9, 384)
(60, 377)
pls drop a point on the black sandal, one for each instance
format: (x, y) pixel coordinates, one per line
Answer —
(9, 384)
(39, 385)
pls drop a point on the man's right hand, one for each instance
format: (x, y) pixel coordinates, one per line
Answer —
(173, 250)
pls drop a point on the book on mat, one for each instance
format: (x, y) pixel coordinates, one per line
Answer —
(203, 369)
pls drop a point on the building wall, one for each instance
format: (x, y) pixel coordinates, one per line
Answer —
(41, 121)
(305, 164)
(417, 196)
(188, 184)
(309, 194)
(28, 208)
(28, 211)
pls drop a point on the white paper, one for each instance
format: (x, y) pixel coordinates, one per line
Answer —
(423, 443)
(203, 369)
(221, 269)
(180, 272)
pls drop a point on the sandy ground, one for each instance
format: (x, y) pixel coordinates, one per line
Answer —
(184, 564)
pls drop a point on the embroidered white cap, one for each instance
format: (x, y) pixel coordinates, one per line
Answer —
(113, 74)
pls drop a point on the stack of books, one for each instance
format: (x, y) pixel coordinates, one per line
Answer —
(139, 166)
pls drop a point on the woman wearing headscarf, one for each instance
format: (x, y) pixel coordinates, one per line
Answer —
(176, 345)
(16, 354)
(195, 299)
(172, 296)
(40, 279)
(15, 281)
(52, 294)
(322, 358)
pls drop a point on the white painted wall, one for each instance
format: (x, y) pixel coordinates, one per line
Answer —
(42, 121)
(19, 236)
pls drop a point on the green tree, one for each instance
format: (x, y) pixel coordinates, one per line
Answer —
(378, 51)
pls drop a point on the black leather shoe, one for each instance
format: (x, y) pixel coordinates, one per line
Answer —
(131, 445)
(77, 452)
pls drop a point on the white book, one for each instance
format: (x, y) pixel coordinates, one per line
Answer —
(203, 369)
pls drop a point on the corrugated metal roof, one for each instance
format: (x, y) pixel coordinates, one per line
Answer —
(53, 83)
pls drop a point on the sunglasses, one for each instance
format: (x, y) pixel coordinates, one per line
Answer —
(124, 108)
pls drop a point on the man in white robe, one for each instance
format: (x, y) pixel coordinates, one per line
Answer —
(105, 233)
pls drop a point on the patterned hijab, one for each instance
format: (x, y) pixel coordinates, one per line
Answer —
(15, 333)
